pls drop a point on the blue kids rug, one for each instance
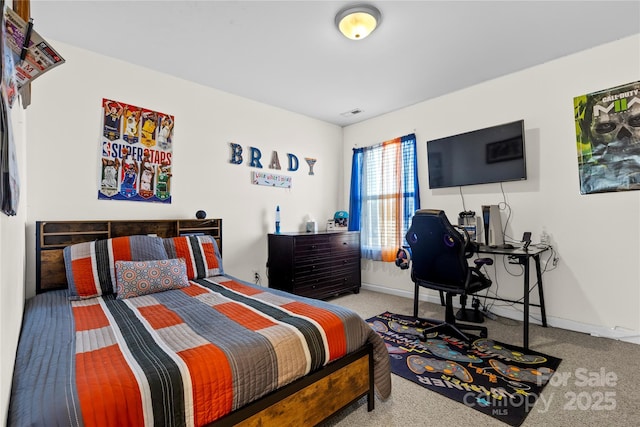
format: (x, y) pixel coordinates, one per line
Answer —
(500, 380)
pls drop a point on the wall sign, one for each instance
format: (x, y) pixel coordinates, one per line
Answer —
(271, 179)
(255, 159)
(136, 153)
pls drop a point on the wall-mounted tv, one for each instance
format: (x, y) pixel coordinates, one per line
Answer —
(493, 154)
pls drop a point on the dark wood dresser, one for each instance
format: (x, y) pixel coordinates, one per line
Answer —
(316, 265)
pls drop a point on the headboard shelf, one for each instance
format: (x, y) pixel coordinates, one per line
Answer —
(53, 236)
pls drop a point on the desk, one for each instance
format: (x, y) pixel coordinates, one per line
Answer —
(523, 258)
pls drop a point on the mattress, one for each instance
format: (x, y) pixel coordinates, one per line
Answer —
(181, 357)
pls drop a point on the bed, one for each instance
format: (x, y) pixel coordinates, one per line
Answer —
(136, 323)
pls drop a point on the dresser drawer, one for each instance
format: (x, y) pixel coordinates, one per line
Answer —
(310, 270)
(345, 244)
(312, 246)
(327, 289)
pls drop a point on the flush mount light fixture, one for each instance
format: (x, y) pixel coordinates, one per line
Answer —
(358, 21)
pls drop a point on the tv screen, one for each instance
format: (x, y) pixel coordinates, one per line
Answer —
(493, 154)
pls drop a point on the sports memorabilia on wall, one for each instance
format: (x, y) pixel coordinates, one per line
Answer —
(136, 153)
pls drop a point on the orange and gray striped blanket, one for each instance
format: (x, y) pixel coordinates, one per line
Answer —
(183, 357)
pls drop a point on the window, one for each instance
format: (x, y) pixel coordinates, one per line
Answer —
(384, 196)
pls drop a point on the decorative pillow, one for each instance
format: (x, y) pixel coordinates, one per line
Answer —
(137, 278)
(90, 266)
(201, 254)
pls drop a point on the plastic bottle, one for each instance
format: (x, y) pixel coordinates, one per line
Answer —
(544, 237)
(278, 219)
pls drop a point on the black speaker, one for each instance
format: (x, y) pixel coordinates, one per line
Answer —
(201, 214)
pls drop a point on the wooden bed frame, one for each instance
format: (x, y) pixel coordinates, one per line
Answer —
(306, 401)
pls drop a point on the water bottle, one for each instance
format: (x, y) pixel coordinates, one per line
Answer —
(278, 219)
(544, 237)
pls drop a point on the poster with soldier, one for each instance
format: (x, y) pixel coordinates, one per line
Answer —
(136, 147)
(608, 139)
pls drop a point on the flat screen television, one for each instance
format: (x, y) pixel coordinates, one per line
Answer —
(483, 156)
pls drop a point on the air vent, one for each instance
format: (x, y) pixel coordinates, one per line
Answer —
(352, 112)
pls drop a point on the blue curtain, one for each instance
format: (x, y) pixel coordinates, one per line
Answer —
(411, 188)
(356, 190)
(384, 195)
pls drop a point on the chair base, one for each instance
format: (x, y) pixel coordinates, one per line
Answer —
(452, 329)
(470, 315)
(449, 325)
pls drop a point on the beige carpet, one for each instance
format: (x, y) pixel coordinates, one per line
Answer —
(597, 383)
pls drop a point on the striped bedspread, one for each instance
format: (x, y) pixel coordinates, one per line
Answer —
(176, 358)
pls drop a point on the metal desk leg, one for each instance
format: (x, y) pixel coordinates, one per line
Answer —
(525, 261)
(540, 291)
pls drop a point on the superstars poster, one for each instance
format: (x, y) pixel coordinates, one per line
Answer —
(608, 139)
(136, 153)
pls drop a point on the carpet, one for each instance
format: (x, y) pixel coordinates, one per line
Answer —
(499, 380)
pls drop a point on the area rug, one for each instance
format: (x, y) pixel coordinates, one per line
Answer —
(500, 380)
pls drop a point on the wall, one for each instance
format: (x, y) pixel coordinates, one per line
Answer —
(64, 147)
(12, 266)
(596, 285)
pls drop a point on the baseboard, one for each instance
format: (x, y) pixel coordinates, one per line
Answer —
(616, 333)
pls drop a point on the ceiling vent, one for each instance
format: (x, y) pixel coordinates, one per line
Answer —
(352, 112)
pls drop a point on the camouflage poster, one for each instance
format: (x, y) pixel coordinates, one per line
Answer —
(608, 139)
(136, 153)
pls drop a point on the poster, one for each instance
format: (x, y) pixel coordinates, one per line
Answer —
(32, 59)
(9, 174)
(608, 139)
(136, 153)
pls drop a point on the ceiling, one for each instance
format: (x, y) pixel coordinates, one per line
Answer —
(289, 54)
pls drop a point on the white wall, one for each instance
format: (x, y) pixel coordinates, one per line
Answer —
(596, 286)
(64, 126)
(12, 266)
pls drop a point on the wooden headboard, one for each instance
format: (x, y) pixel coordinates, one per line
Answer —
(53, 236)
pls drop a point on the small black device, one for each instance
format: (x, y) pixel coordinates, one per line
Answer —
(526, 238)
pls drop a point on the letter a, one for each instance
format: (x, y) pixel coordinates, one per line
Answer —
(275, 162)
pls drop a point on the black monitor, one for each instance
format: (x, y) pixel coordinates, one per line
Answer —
(493, 154)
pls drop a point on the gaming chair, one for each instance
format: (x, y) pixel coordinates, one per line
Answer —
(439, 253)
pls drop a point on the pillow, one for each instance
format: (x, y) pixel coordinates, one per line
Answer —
(200, 252)
(90, 266)
(137, 278)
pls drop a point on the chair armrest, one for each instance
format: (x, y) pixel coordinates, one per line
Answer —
(479, 262)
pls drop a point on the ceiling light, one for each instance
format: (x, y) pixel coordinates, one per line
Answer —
(358, 21)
